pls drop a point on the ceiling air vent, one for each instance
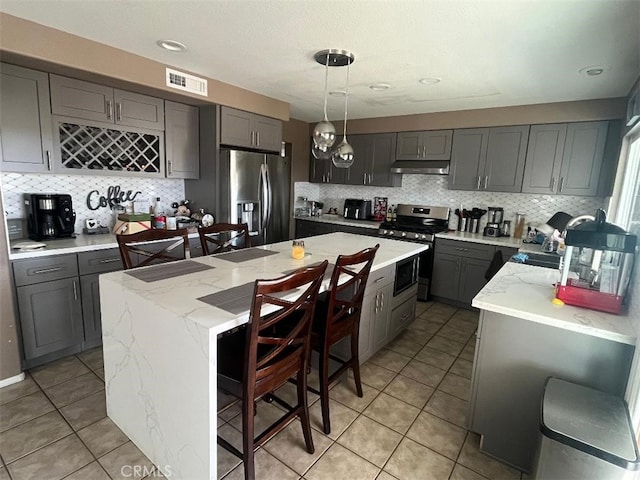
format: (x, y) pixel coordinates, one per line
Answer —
(185, 82)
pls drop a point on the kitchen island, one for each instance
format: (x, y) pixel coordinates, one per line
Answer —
(523, 338)
(160, 341)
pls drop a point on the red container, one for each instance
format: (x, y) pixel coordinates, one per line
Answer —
(583, 297)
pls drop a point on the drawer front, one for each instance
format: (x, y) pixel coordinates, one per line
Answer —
(402, 316)
(44, 269)
(480, 251)
(100, 261)
(380, 278)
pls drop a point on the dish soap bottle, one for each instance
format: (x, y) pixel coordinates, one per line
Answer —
(159, 217)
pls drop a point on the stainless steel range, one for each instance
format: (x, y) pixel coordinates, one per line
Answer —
(418, 223)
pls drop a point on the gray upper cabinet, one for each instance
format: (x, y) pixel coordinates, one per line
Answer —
(506, 153)
(181, 140)
(582, 159)
(89, 101)
(248, 130)
(490, 159)
(374, 154)
(324, 171)
(544, 157)
(468, 157)
(566, 159)
(26, 141)
(429, 145)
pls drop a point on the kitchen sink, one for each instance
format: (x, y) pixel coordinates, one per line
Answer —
(548, 260)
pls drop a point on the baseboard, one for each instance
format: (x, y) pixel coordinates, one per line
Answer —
(11, 380)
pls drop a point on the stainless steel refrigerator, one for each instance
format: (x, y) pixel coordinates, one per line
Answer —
(255, 189)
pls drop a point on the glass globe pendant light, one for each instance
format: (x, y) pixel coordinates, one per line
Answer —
(343, 155)
(324, 135)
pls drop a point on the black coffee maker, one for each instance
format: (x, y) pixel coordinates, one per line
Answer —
(50, 215)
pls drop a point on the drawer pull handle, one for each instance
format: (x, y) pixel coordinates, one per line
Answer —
(47, 270)
(378, 280)
(110, 260)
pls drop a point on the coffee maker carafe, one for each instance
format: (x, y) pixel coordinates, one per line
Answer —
(50, 215)
(494, 222)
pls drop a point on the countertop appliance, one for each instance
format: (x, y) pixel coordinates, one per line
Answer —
(255, 189)
(418, 223)
(598, 262)
(494, 222)
(357, 209)
(49, 215)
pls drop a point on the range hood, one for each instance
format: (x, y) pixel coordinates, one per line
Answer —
(424, 167)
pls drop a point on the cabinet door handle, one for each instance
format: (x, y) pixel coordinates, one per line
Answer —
(169, 167)
(381, 300)
(478, 183)
(561, 184)
(253, 135)
(418, 151)
(48, 160)
(47, 270)
(486, 181)
(110, 260)
(370, 178)
(364, 178)
(257, 139)
(553, 184)
(109, 109)
(118, 112)
(75, 291)
(424, 151)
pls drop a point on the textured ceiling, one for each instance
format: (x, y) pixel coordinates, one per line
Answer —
(486, 53)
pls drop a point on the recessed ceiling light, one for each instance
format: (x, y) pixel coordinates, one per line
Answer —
(171, 45)
(337, 93)
(429, 80)
(594, 70)
(378, 87)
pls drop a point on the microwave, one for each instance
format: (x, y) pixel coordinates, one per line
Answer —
(357, 209)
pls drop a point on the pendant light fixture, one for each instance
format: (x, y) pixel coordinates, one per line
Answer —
(324, 134)
(343, 155)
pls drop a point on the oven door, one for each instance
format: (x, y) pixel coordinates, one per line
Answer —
(406, 274)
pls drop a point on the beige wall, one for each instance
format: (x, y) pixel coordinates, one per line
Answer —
(9, 353)
(587, 110)
(33, 45)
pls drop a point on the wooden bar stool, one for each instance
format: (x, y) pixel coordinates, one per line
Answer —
(255, 361)
(137, 252)
(337, 315)
(220, 237)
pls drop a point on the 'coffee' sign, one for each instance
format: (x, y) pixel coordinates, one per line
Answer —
(113, 197)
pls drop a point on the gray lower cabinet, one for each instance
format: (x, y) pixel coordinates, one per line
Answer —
(59, 303)
(181, 140)
(489, 159)
(26, 140)
(310, 228)
(246, 129)
(567, 159)
(428, 145)
(459, 269)
(513, 359)
(50, 316)
(90, 101)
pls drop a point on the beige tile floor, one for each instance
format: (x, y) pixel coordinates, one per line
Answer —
(409, 425)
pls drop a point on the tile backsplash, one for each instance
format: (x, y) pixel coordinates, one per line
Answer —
(432, 190)
(79, 186)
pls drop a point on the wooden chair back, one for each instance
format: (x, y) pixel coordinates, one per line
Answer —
(223, 237)
(278, 340)
(346, 292)
(137, 251)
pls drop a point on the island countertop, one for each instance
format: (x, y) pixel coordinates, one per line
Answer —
(160, 341)
(180, 294)
(526, 291)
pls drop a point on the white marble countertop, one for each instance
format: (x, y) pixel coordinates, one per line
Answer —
(179, 295)
(526, 292)
(81, 243)
(479, 238)
(340, 220)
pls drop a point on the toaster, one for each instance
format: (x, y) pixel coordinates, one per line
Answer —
(357, 209)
